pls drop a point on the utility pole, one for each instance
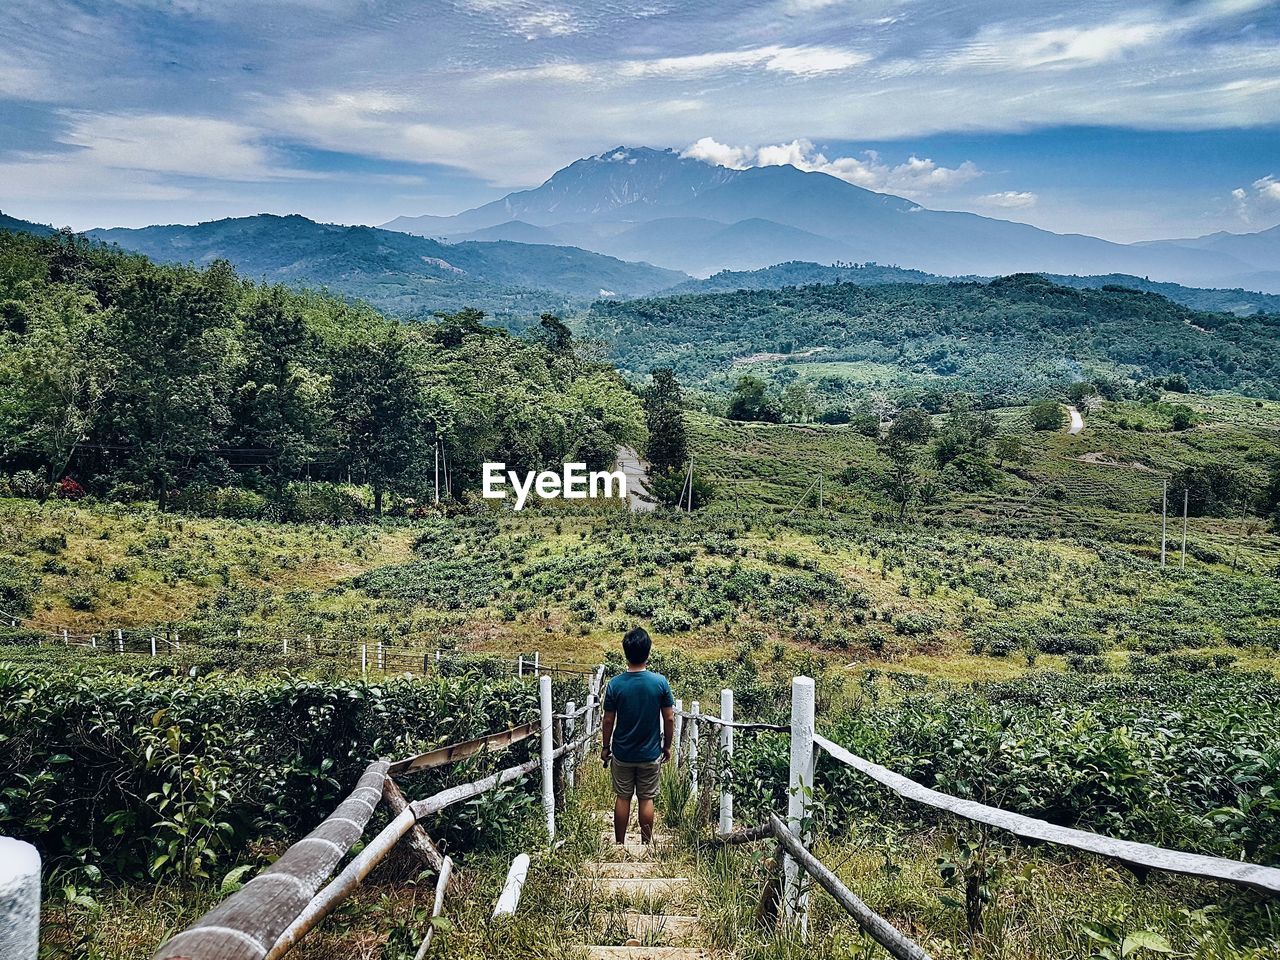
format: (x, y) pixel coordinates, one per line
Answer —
(1183, 564)
(1164, 521)
(690, 510)
(437, 482)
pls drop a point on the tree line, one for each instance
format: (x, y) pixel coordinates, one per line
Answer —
(127, 379)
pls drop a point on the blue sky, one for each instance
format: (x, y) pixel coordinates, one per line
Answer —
(1129, 120)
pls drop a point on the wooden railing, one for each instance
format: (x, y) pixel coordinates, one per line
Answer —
(799, 861)
(280, 906)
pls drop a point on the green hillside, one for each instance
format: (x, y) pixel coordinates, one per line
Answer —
(1005, 341)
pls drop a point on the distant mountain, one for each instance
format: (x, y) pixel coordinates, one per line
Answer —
(687, 208)
(1260, 251)
(14, 225)
(1240, 302)
(402, 274)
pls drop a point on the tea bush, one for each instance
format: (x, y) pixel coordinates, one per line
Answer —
(130, 773)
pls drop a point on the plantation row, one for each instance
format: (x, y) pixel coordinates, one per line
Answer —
(128, 773)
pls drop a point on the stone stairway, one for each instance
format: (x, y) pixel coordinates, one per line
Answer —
(648, 901)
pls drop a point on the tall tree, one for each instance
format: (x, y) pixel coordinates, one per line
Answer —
(380, 425)
(668, 447)
(170, 337)
(282, 403)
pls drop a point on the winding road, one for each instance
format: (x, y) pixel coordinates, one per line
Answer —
(637, 474)
(1077, 421)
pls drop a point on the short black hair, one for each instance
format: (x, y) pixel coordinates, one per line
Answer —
(636, 645)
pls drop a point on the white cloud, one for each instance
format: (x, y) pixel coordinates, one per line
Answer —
(1011, 199)
(181, 145)
(914, 177)
(1268, 188)
(798, 61)
(547, 23)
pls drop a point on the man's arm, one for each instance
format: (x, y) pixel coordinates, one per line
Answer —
(606, 734)
(668, 731)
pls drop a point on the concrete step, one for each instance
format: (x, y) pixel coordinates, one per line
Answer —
(623, 869)
(652, 953)
(633, 834)
(646, 888)
(673, 928)
(631, 850)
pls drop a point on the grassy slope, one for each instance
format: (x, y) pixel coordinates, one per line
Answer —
(566, 582)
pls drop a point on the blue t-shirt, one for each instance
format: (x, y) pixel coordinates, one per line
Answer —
(637, 699)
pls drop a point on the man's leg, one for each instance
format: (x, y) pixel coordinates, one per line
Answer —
(622, 816)
(646, 820)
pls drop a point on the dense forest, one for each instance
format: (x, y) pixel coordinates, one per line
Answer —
(799, 273)
(126, 378)
(1006, 342)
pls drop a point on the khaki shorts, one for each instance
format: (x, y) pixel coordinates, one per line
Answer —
(638, 778)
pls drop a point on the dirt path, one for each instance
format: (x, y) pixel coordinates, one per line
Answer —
(1077, 421)
(637, 474)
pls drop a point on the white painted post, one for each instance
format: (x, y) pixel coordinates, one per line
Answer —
(571, 757)
(548, 748)
(19, 900)
(64, 636)
(120, 641)
(536, 661)
(364, 658)
(284, 645)
(679, 745)
(694, 713)
(442, 884)
(153, 646)
(176, 644)
(589, 724)
(381, 661)
(510, 896)
(796, 895)
(520, 667)
(726, 748)
(93, 641)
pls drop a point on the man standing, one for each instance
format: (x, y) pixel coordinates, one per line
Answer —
(634, 740)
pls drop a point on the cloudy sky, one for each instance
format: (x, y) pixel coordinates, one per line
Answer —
(1128, 120)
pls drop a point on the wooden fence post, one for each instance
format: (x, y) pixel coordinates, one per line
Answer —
(19, 900)
(694, 713)
(153, 646)
(571, 758)
(520, 667)
(796, 895)
(364, 658)
(678, 738)
(548, 748)
(120, 641)
(726, 748)
(382, 660)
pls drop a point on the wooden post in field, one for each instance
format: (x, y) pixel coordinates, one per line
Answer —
(1183, 564)
(19, 900)
(1164, 521)
(381, 661)
(153, 646)
(726, 748)
(536, 661)
(119, 641)
(65, 642)
(694, 713)
(679, 745)
(364, 658)
(93, 641)
(548, 748)
(520, 667)
(795, 894)
(284, 645)
(442, 884)
(509, 899)
(570, 758)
